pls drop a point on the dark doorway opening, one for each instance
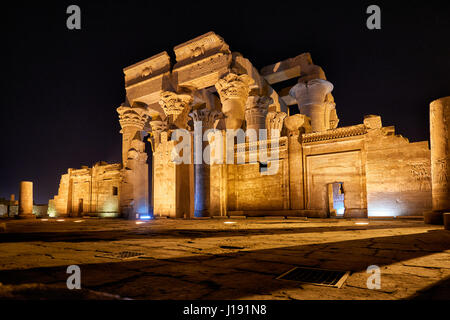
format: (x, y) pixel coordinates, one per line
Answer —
(336, 198)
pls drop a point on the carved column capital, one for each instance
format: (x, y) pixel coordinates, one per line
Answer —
(256, 111)
(233, 90)
(176, 107)
(233, 86)
(312, 101)
(158, 126)
(311, 92)
(274, 122)
(206, 116)
(132, 117)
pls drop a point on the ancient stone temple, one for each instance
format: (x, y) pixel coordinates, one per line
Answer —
(292, 158)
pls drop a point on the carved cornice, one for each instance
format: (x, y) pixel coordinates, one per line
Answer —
(335, 133)
(233, 86)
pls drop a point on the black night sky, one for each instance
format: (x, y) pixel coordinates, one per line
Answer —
(60, 87)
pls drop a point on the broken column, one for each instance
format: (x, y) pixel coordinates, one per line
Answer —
(26, 200)
(311, 98)
(440, 159)
(234, 90)
(207, 118)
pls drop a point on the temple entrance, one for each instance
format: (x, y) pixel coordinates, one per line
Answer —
(336, 197)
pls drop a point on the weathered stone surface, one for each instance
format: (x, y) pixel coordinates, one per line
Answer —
(89, 191)
(234, 90)
(311, 98)
(440, 153)
(202, 61)
(145, 80)
(299, 66)
(26, 200)
(208, 259)
(376, 172)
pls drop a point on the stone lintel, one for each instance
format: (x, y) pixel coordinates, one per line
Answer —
(299, 66)
(148, 91)
(146, 69)
(199, 48)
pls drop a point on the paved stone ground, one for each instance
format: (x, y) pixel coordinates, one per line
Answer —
(212, 259)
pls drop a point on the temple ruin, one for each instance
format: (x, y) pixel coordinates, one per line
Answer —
(322, 169)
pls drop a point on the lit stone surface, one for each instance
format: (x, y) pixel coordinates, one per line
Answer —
(380, 173)
(440, 153)
(234, 90)
(311, 97)
(26, 200)
(208, 259)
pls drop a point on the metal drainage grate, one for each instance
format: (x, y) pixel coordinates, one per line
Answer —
(321, 277)
(119, 255)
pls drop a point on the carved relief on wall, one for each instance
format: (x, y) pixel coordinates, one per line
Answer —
(421, 172)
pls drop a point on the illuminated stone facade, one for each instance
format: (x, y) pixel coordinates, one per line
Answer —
(88, 191)
(319, 170)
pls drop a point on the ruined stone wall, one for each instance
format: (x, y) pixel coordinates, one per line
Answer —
(88, 191)
(398, 175)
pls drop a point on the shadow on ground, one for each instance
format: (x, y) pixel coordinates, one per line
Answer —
(243, 273)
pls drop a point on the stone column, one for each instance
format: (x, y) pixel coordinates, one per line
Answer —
(202, 170)
(311, 98)
(132, 121)
(440, 159)
(177, 203)
(26, 200)
(234, 90)
(134, 185)
(256, 112)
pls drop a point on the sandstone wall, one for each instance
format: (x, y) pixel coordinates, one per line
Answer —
(248, 189)
(88, 191)
(398, 176)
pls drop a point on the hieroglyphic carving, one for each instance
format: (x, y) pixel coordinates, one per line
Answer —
(442, 170)
(421, 172)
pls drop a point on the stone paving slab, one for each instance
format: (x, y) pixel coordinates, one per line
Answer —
(211, 259)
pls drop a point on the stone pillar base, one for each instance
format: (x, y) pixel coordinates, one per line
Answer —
(432, 217)
(447, 220)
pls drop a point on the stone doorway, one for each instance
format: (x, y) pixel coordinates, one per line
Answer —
(336, 196)
(80, 207)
